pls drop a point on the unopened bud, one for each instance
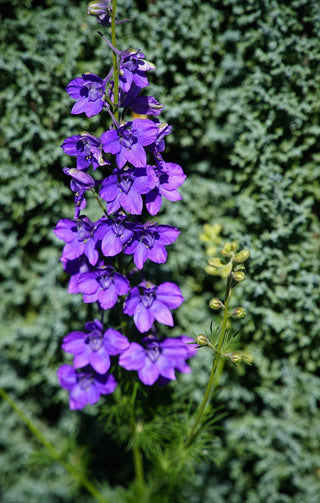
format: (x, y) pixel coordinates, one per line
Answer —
(97, 8)
(229, 248)
(215, 262)
(202, 340)
(226, 270)
(239, 276)
(239, 312)
(235, 357)
(216, 304)
(241, 256)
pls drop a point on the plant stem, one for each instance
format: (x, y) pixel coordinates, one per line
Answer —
(198, 416)
(80, 477)
(114, 60)
(138, 467)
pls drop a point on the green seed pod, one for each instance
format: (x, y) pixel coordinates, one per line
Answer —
(216, 304)
(235, 357)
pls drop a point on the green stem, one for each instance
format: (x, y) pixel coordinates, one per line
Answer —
(53, 452)
(194, 429)
(99, 202)
(114, 59)
(138, 467)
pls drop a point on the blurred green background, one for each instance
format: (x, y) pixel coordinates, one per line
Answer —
(240, 80)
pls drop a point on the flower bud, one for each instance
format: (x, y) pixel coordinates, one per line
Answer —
(239, 276)
(216, 304)
(202, 340)
(241, 256)
(239, 312)
(215, 262)
(235, 357)
(229, 249)
(226, 270)
(96, 8)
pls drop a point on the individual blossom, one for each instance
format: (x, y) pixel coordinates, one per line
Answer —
(158, 146)
(123, 189)
(93, 347)
(113, 233)
(170, 177)
(155, 358)
(103, 285)
(128, 141)
(80, 183)
(78, 235)
(147, 302)
(142, 105)
(149, 241)
(85, 387)
(87, 149)
(132, 69)
(88, 90)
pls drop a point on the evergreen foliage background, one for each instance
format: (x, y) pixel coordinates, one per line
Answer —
(240, 80)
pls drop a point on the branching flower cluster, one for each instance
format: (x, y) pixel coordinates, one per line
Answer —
(105, 258)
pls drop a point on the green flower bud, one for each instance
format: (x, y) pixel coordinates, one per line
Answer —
(216, 304)
(239, 276)
(235, 357)
(239, 312)
(229, 249)
(226, 270)
(202, 340)
(241, 256)
(215, 262)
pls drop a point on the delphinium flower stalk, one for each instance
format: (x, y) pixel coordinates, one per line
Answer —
(221, 340)
(124, 169)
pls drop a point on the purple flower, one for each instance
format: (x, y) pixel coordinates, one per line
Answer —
(155, 358)
(132, 69)
(85, 386)
(149, 241)
(163, 129)
(80, 183)
(169, 177)
(123, 189)
(87, 148)
(142, 105)
(147, 302)
(94, 347)
(78, 236)
(103, 285)
(113, 234)
(128, 140)
(89, 91)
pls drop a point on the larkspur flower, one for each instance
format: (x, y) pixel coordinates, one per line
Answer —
(93, 347)
(103, 285)
(132, 69)
(128, 141)
(170, 177)
(87, 149)
(158, 146)
(147, 302)
(86, 386)
(148, 242)
(155, 358)
(89, 91)
(80, 183)
(78, 236)
(123, 189)
(142, 105)
(113, 233)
